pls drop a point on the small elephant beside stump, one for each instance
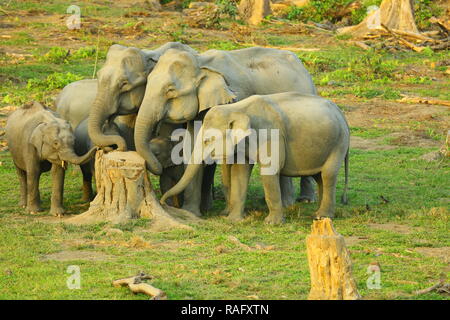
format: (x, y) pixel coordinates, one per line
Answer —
(40, 141)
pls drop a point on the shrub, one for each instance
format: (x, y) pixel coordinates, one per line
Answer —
(55, 80)
(56, 55)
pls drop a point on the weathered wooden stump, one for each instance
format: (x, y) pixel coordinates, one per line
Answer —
(329, 264)
(254, 11)
(396, 15)
(124, 192)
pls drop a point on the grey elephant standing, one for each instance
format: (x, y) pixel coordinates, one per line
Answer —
(313, 139)
(40, 141)
(184, 85)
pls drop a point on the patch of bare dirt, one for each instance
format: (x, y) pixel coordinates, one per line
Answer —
(354, 240)
(368, 144)
(442, 253)
(77, 255)
(413, 139)
(393, 227)
(394, 115)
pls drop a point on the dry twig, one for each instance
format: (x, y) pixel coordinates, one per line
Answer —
(136, 285)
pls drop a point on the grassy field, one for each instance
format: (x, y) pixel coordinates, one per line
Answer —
(407, 235)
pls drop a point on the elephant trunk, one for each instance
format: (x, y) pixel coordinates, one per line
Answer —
(146, 121)
(70, 156)
(190, 172)
(102, 108)
(195, 163)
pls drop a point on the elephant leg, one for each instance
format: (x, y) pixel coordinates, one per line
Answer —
(239, 176)
(328, 201)
(165, 184)
(272, 193)
(33, 196)
(318, 178)
(23, 187)
(57, 173)
(226, 184)
(207, 188)
(88, 193)
(287, 191)
(193, 194)
(307, 190)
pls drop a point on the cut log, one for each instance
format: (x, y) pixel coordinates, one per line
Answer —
(136, 285)
(124, 192)
(329, 264)
(395, 14)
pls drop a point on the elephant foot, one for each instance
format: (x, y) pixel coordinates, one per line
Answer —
(287, 202)
(274, 219)
(235, 217)
(306, 199)
(57, 212)
(194, 210)
(34, 209)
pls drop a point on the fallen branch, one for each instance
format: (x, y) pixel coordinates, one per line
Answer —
(421, 100)
(439, 287)
(403, 41)
(441, 24)
(136, 285)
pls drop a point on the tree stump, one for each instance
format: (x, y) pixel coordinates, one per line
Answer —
(124, 192)
(329, 264)
(254, 11)
(396, 15)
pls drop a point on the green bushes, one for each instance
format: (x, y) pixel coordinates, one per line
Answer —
(59, 55)
(55, 80)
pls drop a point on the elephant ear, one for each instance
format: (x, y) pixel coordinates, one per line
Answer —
(37, 138)
(151, 57)
(213, 89)
(239, 124)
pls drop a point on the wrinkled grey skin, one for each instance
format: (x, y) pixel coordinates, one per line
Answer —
(75, 101)
(121, 85)
(183, 86)
(314, 140)
(40, 141)
(83, 143)
(161, 147)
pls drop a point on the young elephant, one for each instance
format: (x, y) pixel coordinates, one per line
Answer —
(39, 141)
(313, 140)
(162, 147)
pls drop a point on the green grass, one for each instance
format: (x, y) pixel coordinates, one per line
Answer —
(203, 263)
(189, 264)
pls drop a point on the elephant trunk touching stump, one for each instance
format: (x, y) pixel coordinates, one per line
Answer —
(124, 192)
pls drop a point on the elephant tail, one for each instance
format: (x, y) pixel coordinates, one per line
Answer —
(344, 198)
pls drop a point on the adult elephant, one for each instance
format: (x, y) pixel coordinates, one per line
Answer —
(185, 85)
(121, 84)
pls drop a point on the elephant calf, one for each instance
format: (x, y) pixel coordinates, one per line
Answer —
(161, 147)
(39, 141)
(313, 140)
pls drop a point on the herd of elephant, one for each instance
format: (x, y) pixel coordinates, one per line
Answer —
(141, 96)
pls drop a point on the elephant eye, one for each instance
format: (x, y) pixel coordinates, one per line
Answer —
(56, 144)
(123, 84)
